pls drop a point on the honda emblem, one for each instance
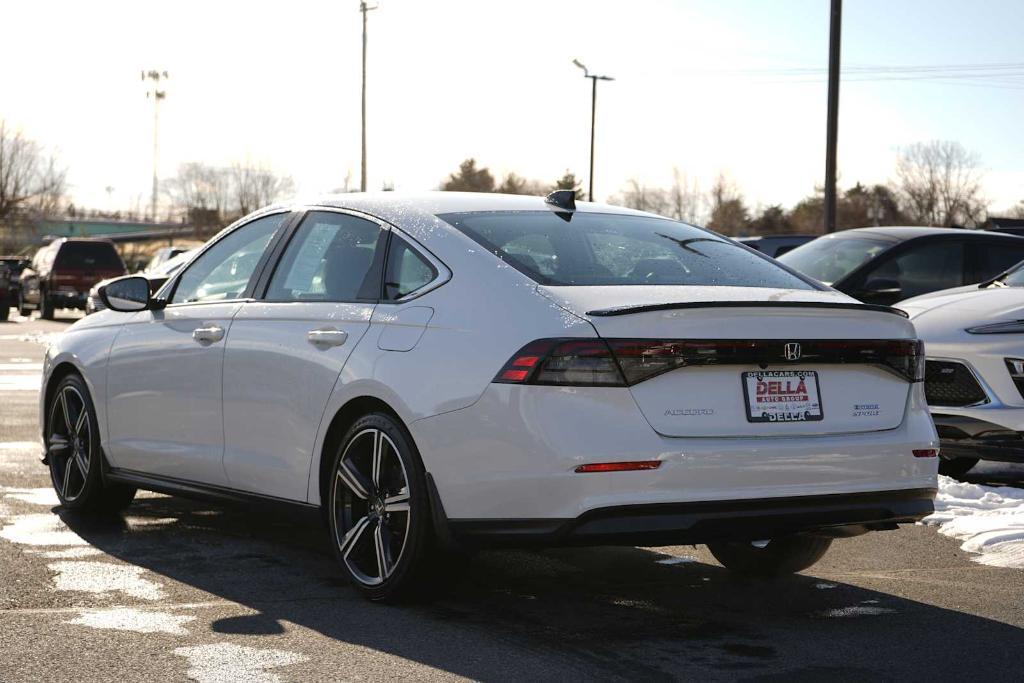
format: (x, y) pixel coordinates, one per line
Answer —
(792, 351)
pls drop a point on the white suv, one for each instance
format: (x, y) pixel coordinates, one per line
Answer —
(974, 338)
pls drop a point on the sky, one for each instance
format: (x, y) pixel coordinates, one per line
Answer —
(702, 86)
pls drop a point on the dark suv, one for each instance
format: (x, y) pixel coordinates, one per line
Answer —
(886, 265)
(62, 273)
(10, 271)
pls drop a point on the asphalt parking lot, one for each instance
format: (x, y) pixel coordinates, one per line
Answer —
(177, 590)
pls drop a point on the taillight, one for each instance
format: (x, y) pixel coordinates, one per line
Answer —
(563, 362)
(625, 362)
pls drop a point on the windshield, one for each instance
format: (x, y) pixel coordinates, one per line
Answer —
(1014, 278)
(89, 255)
(610, 249)
(832, 258)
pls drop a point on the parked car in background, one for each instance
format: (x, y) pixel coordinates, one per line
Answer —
(886, 265)
(775, 245)
(162, 256)
(62, 273)
(471, 369)
(974, 380)
(157, 276)
(10, 275)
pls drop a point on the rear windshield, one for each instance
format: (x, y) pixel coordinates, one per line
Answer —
(830, 259)
(611, 249)
(89, 255)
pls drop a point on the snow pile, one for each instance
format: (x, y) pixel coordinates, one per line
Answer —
(989, 520)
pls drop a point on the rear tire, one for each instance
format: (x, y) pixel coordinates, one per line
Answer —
(378, 510)
(5, 311)
(74, 453)
(23, 310)
(785, 555)
(956, 467)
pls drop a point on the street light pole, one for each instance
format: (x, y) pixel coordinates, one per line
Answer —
(158, 94)
(593, 118)
(832, 123)
(364, 8)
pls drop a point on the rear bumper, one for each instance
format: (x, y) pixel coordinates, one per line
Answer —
(513, 455)
(963, 436)
(67, 300)
(701, 522)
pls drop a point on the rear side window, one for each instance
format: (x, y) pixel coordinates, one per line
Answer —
(331, 257)
(407, 270)
(611, 249)
(993, 259)
(90, 255)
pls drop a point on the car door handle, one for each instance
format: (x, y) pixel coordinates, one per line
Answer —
(328, 336)
(208, 335)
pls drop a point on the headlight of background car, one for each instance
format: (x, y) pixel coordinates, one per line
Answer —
(1008, 327)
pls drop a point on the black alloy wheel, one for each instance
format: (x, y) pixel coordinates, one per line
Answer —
(378, 511)
(74, 454)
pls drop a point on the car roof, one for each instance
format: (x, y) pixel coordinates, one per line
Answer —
(903, 233)
(393, 206)
(780, 236)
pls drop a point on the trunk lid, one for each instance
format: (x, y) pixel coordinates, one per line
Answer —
(711, 395)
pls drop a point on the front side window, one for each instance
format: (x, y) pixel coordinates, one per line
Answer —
(332, 257)
(833, 257)
(923, 269)
(615, 249)
(223, 271)
(407, 270)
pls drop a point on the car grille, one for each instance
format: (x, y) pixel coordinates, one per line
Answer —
(948, 383)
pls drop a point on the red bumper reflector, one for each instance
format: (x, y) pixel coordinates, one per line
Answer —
(926, 452)
(619, 466)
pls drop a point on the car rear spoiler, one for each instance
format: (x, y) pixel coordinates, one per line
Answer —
(647, 308)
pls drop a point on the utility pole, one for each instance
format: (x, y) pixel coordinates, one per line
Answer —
(364, 8)
(593, 118)
(832, 124)
(158, 94)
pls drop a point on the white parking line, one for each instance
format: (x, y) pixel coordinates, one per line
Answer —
(20, 382)
(222, 662)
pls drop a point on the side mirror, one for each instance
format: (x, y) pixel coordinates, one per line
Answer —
(126, 294)
(882, 288)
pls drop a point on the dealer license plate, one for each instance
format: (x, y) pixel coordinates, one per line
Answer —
(782, 396)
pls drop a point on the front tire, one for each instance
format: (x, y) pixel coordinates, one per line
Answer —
(74, 454)
(956, 467)
(5, 310)
(378, 510)
(46, 306)
(785, 555)
(23, 310)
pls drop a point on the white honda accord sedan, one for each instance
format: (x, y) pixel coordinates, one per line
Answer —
(465, 370)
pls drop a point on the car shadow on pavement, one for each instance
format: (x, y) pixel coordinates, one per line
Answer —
(605, 613)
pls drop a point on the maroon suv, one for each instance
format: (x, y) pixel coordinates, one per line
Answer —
(62, 273)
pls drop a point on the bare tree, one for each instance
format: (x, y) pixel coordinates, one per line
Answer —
(684, 198)
(642, 197)
(31, 181)
(729, 215)
(201, 193)
(255, 186)
(940, 183)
